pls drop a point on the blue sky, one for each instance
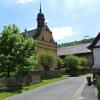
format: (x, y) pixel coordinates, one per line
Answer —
(69, 20)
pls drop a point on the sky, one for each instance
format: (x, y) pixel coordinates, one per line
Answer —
(69, 20)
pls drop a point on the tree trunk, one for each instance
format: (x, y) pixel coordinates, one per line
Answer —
(8, 72)
(46, 67)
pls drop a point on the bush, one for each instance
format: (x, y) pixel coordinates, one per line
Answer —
(47, 60)
(98, 88)
(59, 62)
(75, 65)
(71, 64)
(83, 62)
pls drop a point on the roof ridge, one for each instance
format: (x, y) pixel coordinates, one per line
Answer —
(75, 45)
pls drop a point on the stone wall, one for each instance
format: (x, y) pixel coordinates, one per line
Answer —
(11, 83)
(50, 74)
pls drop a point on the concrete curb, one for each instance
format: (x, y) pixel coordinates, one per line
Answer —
(78, 92)
(96, 91)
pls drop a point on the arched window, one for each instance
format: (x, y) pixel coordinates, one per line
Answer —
(42, 38)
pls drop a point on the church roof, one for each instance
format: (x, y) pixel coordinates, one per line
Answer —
(36, 32)
(75, 49)
(31, 33)
(40, 26)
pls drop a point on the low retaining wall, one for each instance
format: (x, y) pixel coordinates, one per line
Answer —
(28, 79)
(11, 83)
(50, 74)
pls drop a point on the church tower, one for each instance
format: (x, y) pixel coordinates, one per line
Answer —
(43, 35)
(40, 19)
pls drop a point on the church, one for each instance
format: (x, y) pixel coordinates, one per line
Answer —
(43, 35)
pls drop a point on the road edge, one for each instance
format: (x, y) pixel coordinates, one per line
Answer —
(78, 92)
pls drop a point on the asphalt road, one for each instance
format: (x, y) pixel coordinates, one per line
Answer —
(62, 90)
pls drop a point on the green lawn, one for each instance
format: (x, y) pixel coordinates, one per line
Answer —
(26, 88)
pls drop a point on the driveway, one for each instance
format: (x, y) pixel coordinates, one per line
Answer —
(62, 90)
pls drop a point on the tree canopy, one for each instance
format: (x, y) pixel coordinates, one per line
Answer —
(47, 60)
(76, 42)
(16, 51)
(74, 65)
(59, 62)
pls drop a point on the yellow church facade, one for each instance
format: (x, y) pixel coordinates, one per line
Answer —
(44, 37)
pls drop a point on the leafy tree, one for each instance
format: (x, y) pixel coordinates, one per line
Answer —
(59, 62)
(71, 64)
(83, 62)
(47, 60)
(16, 51)
(76, 42)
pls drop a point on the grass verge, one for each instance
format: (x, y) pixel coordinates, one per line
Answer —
(26, 88)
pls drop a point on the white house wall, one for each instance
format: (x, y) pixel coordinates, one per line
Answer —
(98, 43)
(96, 52)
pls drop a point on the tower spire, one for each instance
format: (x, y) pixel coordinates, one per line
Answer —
(40, 18)
(40, 8)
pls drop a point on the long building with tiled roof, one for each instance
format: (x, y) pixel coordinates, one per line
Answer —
(79, 50)
(75, 49)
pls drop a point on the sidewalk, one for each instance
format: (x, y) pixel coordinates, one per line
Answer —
(88, 93)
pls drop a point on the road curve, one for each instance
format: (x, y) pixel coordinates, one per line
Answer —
(62, 90)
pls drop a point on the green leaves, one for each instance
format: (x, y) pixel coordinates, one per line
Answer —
(16, 51)
(47, 59)
(71, 63)
(74, 64)
(59, 62)
(83, 62)
(98, 85)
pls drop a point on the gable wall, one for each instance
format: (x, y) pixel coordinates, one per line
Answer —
(98, 43)
(46, 44)
(47, 36)
(96, 52)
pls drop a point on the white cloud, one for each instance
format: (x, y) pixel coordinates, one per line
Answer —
(31, 28)
(78, 4)
(60, 33)
(24, 1)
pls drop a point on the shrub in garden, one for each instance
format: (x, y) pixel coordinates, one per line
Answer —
(59, 62)
(47, 60)
(71, 63)
(98, 88)
(83, 62)
(83, 66)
